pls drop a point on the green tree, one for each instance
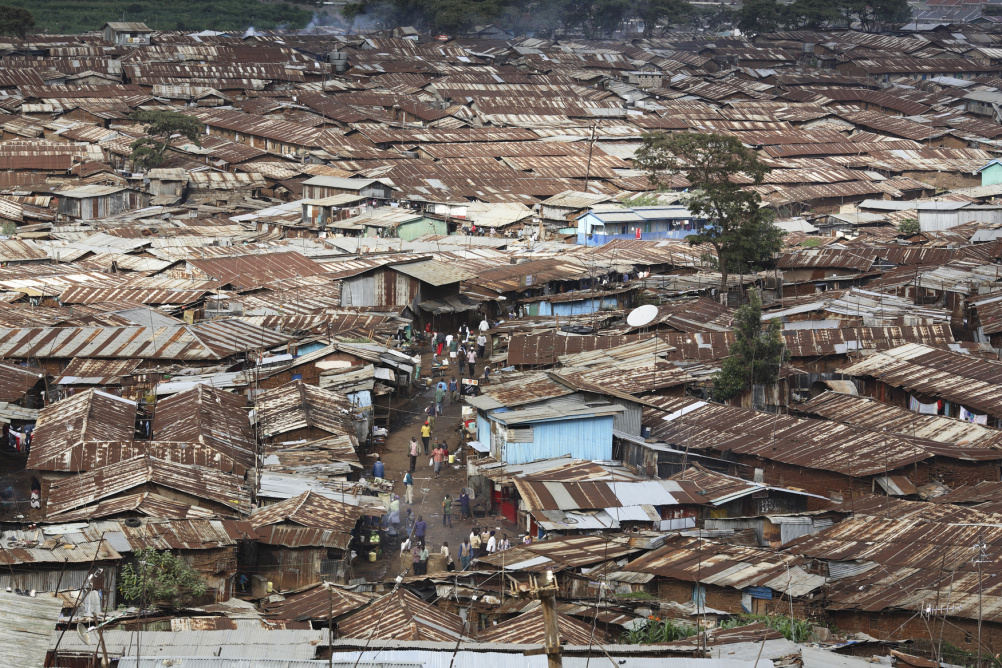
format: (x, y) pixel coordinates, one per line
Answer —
(160, 578)
(872, 15)
(16, 21)
(756, 354)
(739, 229)
(814, 14)
(909, 227)
(596, 18)
(760, 16)
(662, 14)
(161, 126)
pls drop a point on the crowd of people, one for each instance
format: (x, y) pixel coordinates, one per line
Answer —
(464, 349)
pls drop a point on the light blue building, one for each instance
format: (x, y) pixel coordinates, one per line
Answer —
(602, 225)
(537, 418)
(991, 173)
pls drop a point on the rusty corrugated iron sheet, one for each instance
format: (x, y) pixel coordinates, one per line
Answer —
(307, 520)
(297, 405)
(208, 417)
(528, 628)
(962, 379)
(91, 294)
(316, 602)
(543, 349)
(872, 414)
(816, 444)
(87, 416)
(202, 483)
(698, 560)
(16, 381)
(84, 371)
(203, 341)
(400, 615)
(147, 504)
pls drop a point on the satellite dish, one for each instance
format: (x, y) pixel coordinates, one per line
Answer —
(83, 633)
(642, 315)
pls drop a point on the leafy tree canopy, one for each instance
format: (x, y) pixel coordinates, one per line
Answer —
(148, 152)
(761, 16)
(155, 577)
(16, 21)
(755, 355)
(717, 166)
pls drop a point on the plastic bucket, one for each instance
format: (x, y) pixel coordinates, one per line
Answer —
(452, 459)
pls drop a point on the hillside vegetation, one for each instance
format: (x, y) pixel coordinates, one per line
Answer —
(74, 16)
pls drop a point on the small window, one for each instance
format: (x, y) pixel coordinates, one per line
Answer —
(874, 622)
(297, 376)
(520, 435)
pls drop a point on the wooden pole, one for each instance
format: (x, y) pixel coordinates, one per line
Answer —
(551, 642)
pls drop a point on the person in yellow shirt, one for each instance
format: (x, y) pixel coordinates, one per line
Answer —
(426, 436)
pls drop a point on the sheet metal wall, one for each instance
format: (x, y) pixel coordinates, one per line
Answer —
(585, 438)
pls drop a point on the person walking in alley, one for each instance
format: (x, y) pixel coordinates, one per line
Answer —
(447, 511)
(438, 456)
(377, 469)
(481, 344)
(471, 361)
(413, 453)
(432, 412)
(453, 391)
(426, 436)
(440, 391)
(409, 488)
(461, 358)
(464, 505)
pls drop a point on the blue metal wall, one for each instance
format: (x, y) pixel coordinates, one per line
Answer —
(581, 307)
(584, 438)
(601, 239)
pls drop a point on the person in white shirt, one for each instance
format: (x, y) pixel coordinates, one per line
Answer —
(492, 544)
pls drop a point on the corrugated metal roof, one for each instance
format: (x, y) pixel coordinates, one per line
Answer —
(201, 483)
(247, 643)
(706, 562)
(315, 603)
(203, 341)
(959, 378)
(309, 510)
(873, 414)
(434, 272)
(401, 615)
(817, 444)
(28, 623)
(528, 628)
(297, 405)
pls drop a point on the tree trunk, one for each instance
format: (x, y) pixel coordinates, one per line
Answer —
(722, 263)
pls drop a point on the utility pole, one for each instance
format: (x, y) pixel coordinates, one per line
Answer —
(591, 147)
(551, 638)
(546, 594)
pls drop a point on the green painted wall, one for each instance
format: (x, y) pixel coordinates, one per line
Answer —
(991, 175)
(421, 228)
